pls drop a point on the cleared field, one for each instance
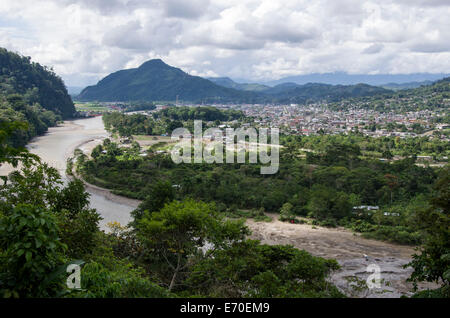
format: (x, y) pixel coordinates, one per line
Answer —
(146, 140)
(92, 107)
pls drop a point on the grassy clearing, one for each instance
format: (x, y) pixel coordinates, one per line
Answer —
(256, 215)
(90, 107)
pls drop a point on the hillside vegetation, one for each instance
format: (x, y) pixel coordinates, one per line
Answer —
(426, 97)
(31, 93)
(154, 80)
(37, 83)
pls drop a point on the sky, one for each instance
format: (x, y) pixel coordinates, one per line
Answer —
(85, 40)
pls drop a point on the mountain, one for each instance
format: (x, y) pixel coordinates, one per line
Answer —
(426, 97)
(396, 86)
(314, 92)
(282, 88)
(40, 84)
(74, 90)
(31, 94)
(156, 81)
(341, 78)
(228, 82)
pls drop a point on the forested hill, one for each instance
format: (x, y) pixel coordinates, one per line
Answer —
(37, 83)
(300, 94)
(430, 97)
(441, 87)
(313, 92)
(156, 81)
(31, 94)
(228, 82)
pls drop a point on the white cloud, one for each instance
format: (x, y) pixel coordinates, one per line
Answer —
(85, 40)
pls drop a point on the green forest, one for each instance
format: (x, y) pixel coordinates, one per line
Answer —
(166, 120)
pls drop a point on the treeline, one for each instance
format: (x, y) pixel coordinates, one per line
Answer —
(324, 186)
(166, 120)
(139, 105)
(199, 113)
(385, 147)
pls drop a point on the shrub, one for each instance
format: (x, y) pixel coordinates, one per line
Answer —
(30, 250)
(124, 281)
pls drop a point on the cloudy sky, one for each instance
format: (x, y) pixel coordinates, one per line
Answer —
(85, 40)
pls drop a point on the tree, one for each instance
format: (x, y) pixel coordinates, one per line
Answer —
(286, 213)
(8, 153)
(97, 151)
(433, 262)
(183, 232)
(157, 195)
(38, 185)
(327, 203)
(251, 269)
(41, 186)
(392, 183)
(72, 198)
(341, 154)
(78, 224)
(30, 250)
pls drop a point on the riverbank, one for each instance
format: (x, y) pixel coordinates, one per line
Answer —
(87, 147)
(350, 250)
(59, 143)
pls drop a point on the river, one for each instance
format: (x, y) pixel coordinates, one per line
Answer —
(59, 143)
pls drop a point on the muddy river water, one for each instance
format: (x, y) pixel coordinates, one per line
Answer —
(59, 143)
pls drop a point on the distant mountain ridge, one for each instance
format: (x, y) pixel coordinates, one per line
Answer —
(74, 90)
(396, 86)
(294, 93)
(426, 97)
(154, 80)
(313, 92)
(341, 78)
(228, 82)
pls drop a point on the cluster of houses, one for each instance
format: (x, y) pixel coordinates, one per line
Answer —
(368, 210)
(315, 118)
